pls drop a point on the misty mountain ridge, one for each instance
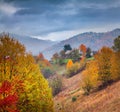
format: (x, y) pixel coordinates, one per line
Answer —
(91, 39)
(33, 45)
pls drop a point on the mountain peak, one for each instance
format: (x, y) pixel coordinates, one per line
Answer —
(116, 30)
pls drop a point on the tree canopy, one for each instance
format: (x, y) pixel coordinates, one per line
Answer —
(116, 46)
(67, 47)
(22, 86)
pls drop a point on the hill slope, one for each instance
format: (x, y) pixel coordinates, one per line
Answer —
(106, 100)
(91, 39)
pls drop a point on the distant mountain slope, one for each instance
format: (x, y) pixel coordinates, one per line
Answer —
(91, 39)
(33, 45)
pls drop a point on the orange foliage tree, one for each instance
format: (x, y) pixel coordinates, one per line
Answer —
(41, 57)
(8, 97)
(69, 64)
(42, 61)
(103, 70)
(83, 49)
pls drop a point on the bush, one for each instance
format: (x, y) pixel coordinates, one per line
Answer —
(74, 98)
(87, 88)
(75, 68)
(47, 72)
(72, 70)
(56, 84)
(61, 62)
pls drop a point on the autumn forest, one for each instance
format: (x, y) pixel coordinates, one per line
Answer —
(30, 83)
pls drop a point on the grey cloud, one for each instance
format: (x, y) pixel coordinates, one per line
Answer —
(40, 17)
(29, 11)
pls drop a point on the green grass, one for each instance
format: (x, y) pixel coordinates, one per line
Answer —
(59, 69)
(65, 60)
(91, 58)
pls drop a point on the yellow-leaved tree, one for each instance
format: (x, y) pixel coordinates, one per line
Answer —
(103, 59)
(19, 69)
(115, 66)
(90, 76)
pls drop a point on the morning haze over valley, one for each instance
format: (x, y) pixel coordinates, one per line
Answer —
(59, 55)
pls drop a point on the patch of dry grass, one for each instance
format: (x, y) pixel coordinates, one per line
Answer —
(106, 100)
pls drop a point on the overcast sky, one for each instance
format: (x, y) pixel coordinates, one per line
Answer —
(58, 19)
